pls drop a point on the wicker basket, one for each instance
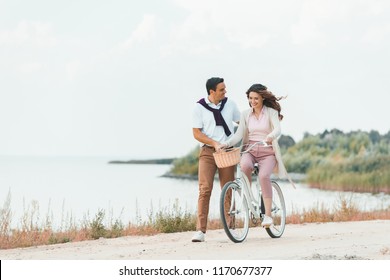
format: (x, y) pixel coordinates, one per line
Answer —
(226, 158)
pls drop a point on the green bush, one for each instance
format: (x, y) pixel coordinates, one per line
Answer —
(97, 227)
(187, 164)
(174, 220)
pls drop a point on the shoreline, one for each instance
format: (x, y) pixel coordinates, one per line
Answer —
(166, 161)
(296, 177)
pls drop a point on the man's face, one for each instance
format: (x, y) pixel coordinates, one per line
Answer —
(219, 92)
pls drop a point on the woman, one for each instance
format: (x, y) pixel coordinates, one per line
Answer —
(261, 123)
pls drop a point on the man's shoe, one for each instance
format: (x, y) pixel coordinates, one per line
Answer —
(267, 221)
(198, 237)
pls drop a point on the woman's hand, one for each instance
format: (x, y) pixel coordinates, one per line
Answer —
(268, 140)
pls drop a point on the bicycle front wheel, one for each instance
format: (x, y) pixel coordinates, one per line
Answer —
(234, 212)
(278, 212)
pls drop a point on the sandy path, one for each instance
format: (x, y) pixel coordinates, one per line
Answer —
(347, 240)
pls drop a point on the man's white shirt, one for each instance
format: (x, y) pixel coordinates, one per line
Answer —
(204, 119)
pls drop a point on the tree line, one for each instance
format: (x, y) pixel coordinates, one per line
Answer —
(352, 161)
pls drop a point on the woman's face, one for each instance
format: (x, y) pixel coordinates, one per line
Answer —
(255, 100)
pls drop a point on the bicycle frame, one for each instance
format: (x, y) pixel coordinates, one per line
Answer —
(253, 203)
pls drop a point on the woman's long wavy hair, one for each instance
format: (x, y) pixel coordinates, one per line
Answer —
(270, 100)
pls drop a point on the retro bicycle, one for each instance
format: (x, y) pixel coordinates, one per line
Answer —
(241, 205)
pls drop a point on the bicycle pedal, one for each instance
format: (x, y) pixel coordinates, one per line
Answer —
(253, 219)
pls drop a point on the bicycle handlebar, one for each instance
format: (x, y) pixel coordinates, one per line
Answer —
(262, 143)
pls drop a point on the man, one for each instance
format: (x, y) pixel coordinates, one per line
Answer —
(213, 123)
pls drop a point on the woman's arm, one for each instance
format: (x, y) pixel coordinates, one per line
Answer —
(239, 134)
(276, 131)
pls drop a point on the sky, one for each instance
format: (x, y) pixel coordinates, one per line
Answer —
(120, 78)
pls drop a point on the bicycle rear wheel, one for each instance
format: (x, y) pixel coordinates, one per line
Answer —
(278, 212)
(234, 212)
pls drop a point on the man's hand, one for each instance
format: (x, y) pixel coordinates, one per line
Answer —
(218, 147)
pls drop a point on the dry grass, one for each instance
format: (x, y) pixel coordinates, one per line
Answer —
(32, 231)
(344, 210)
